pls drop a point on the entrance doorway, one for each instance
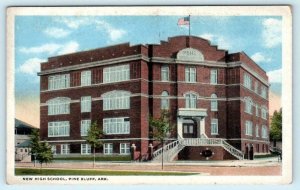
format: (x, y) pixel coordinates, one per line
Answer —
(189, 129)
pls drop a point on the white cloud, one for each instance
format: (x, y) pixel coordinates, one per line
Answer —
(49, 48)
(52, 48)
(31, 66)
(74, 23)
(70, 47)
(260, 58)
(113, 33)
(275, 76)
(56, 32)
(223, 43)
(271, 33)
(219, 40)
(207, 36)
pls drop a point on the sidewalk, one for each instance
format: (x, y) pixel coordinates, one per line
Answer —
(262, 162)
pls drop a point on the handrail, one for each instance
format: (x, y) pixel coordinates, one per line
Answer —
(172, 149)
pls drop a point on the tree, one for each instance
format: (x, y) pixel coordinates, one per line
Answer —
(92, 138)
(45, 154)
(161, 128)
(276, 127)
(40, 150)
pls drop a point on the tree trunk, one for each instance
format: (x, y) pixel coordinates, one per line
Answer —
(94, 157)
(274, 142)
(162, 156)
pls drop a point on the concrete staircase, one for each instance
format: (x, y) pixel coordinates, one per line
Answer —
(171, 150)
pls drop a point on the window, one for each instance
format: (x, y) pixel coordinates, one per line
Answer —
(53, 149)
(214, 126)
(248, 105)
(263, 92)
(58, 82)
(164, 100)
(65, 149)
(256, 110)
(84, 127)
(249, 128)
(120, 125)
(190, 74)
(214, 76)
(85, 78)
(256, 87)
(264, 132)
(108, 148)
(115, 100)
(257, 131)
(60, 105)
(247, 81)
(164, 73)
(116, 73)
(86, 104)
(124, 148)
(264, 112)
(213, 103)
(85, 149)
(59, 129)
(190, 100)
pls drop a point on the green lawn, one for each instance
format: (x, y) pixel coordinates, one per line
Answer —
(265, 156)
(29, 171)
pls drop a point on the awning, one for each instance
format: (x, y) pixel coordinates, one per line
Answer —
(192, 112)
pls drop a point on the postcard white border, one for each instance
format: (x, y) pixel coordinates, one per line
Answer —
(284, 11)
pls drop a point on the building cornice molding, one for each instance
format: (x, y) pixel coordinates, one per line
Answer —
(95, 64)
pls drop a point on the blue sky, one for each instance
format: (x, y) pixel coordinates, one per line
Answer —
(40, 37)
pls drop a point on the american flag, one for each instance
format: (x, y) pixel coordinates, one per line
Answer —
(184, 21)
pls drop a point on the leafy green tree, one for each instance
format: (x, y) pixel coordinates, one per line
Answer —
(45, 154)
(40, 150)
(276, 127)
(161, 128)
(92, 138)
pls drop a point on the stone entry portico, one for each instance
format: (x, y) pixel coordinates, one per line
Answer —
(186, 117)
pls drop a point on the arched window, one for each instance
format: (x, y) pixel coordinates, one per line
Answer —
(213, 103)
(164, 100)
(248, 105)
(116, 99)
(59, 105)
(190, 100)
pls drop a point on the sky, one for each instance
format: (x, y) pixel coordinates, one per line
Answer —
(40, 37)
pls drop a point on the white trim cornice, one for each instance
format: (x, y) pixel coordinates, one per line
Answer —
(95, 64)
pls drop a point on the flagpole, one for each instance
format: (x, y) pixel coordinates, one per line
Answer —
(189, 25)
(189, 30)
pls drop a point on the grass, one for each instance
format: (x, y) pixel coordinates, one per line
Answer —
(104, 158)
(265, 156)
(29, 171)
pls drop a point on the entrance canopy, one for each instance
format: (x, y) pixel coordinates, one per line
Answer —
(192, 112)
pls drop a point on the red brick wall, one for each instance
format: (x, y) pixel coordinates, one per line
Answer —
(175, 44)
(231, 116)
(194, 153)
(99, 54)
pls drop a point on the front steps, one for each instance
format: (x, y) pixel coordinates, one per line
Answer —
(171, 150)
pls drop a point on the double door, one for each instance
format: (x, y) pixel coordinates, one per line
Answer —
(189, 130)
